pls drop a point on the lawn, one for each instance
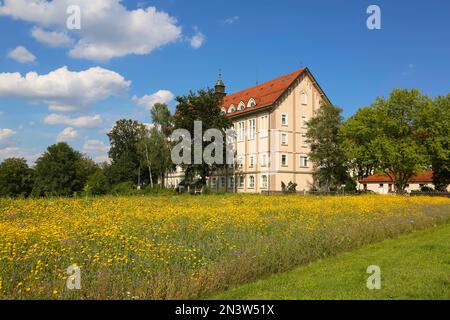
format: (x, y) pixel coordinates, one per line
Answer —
(414, 266)
(186, 247)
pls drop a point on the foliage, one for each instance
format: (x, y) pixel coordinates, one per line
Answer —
(97, 184)
(326, 150)
(435, 132)
(291, 187)
(124, 138)
(391, 137)
(202, 106)
(181, 247)
(61, 171)
(16, 178)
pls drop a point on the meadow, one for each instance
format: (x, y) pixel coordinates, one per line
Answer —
(185, 247)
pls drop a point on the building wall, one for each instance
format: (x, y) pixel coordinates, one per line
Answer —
(386, 187)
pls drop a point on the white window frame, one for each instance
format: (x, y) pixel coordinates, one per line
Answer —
(304, 144)
(251, 161)
(251, 129)
(264, 181)
(284, 119)
(241, 182)
(213, 183)
(304, 159)
(231, 182)
(251, 182)
(285, 164)
(304, 121)
(241, 130)
(263, 160)
(223, 182)
(304, 98)
(284, 139)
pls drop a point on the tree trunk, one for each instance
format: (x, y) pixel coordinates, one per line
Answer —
(149, 166)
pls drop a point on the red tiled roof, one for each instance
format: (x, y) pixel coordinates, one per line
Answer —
(264, 94)
(426, 176)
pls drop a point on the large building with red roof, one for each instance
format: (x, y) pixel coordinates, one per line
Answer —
(270, 124)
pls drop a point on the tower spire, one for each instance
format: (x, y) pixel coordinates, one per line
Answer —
(220, 87)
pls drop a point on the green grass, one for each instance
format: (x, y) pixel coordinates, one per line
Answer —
(415, 266)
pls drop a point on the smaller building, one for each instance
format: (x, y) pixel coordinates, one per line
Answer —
(383, 184)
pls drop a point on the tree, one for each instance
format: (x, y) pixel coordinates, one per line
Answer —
(61, 171)
(16, 178)
(326, 148)
(435, 129)
(389, 139)
(202, 106)
(124, 138)
(356, 135)
(97, 183)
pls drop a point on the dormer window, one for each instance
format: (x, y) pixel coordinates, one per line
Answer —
(223, 110)
(231, 109)
(251, 103)
(241, 105)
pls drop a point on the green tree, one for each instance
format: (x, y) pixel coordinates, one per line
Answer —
(435, 131)
(124, 139)
(326, 148)
(389, 138)
(61, 171)
(16, 178)
(97, 183)
(202, 106)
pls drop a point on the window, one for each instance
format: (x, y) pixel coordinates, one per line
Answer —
(284, 160)
(263, 126)
(264, 160)
(251, 184)
(304, 161)
(381, 185)
(365, 187)
(231, 109)
(251, 103)
(222, 182)
(304, 142)
(213, 183)
(284, 119)
(252, 129)
(241, 106)
(264, 182)
(241, 130)
(284, 139)
(304, 98)
(304, 122)
(252, 161)
(240, 161)
(241, 181)
(231, 182)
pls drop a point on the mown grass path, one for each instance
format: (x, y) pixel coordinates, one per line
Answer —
(414, 266)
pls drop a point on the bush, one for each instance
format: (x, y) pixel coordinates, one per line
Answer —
(290, 188)
(97, 184)
(123, 189)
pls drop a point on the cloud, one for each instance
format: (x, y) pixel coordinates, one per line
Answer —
(6, 134)
(79, 122)
(51, 38)
(15, 152)
(95, 146)
(64, 90)
(98, 149)
(197, 40)
(148, 101)
(230, 20)
(67, 134)
(108, 28)
(22, 55)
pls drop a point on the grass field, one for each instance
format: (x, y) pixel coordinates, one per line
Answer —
(186, 247)
(414, 266)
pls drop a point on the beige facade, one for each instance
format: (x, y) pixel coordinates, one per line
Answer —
(270, 142)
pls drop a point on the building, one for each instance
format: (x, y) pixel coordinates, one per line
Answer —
(270, 125)
(382, 184)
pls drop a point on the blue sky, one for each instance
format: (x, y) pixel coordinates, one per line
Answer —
(181, 46)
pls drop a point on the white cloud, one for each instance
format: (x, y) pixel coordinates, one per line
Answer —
(15, 152)
(67, 134)
(22, 55)
(51, 38)
(6, 134)
(197, 40)
(148, 101)
(230, 20)
(95, 146)
(64, 90)
(108, 28)
(79, 122)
